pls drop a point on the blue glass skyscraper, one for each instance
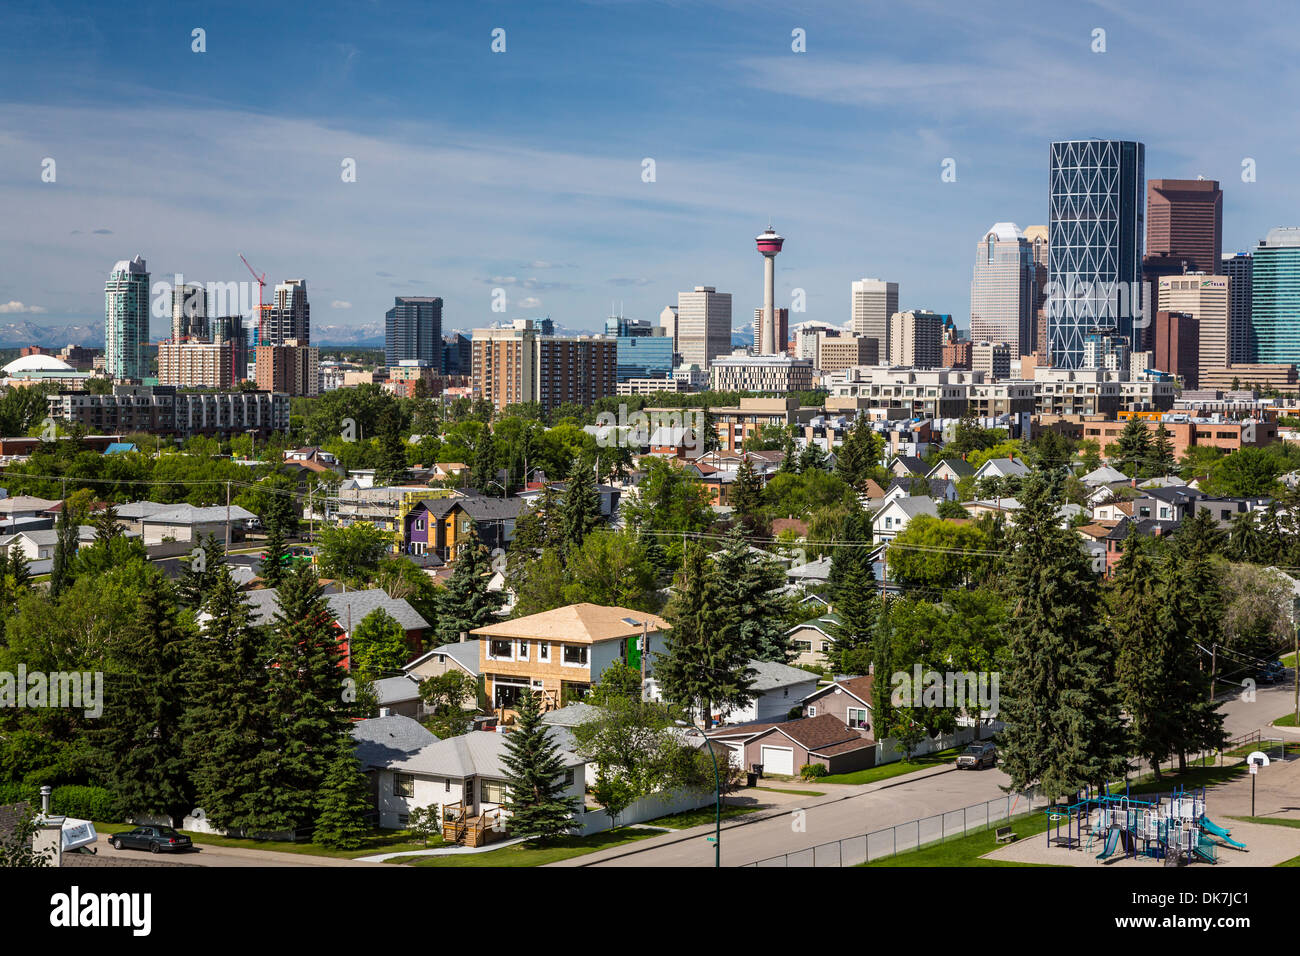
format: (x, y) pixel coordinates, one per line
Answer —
(1275, 298)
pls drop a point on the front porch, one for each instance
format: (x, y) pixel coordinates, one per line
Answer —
(462, 826)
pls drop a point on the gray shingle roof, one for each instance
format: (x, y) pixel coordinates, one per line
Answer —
(382, 739)
(769, 675)
(396, 690)
(570, 715)
(464, 653)
(266, 603)
(477, 753)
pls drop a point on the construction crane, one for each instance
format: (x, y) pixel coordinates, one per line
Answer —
(261, 283)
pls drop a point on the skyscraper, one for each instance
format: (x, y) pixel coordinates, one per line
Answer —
(1036, 236)
(916, 338)
(1094, 244)
(782, 317)
(413, 331)
(703, 325)
(1206, 298)
(1185, 222)
(189, 312)
(1003, 289)
(1241, 335)
(1275, 297)
(1177, 346)
(126, 318)
(872, 306)
(289, 316)
(229, 330)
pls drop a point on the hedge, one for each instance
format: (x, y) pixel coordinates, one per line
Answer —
(71, 800)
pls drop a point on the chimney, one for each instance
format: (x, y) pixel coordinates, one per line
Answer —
(464, 636)
(45, 799)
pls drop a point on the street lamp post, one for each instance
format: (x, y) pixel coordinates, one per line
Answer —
(717, 784)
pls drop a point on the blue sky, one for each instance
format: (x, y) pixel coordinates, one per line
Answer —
(522, 170)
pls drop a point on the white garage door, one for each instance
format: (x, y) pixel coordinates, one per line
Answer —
(777, 760)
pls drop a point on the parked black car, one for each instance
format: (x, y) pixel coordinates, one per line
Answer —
(153, 839)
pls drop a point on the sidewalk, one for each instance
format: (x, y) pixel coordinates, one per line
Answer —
(845, 792)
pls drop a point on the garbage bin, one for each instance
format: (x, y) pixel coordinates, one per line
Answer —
(756, 770)
(751, 779)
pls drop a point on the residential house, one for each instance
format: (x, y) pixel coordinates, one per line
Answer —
(895, 516)
(812, 575)
(939, 489)
(813, 639)
(39, 544)
(777, 688)
(954, 469)
(785, 748)
(848, 699)
(1147, 527)
(1104, 475)
(349, 609)
(903, 466)
(437, 525)
(461, 656)
(561, 653)
(1002, 468)
(400, 696)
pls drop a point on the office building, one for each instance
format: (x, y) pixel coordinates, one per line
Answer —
(873, 304)
(413, 331)
(188, 364)
(703, 325)
(1280, 376)
(457, 354)
(1036, 236)
(1004, 289)
(1207, 298)
(126, 319)
(1185, 223)
(992, 359)
(836, 352)
(956, 355)
(1241, 339)
(761, 373)
(668, 322)
(291, 367)
(288, 317)
(782, 318)
(189, 313)
(916, 338)
(229, 330)
(642, 350)
(1095, 233)
(1275, 297)
(1177, 346)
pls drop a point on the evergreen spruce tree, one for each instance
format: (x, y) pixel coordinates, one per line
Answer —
(272, 568)
(850, 461)
(201, 572)
(466, 603)
(305, 688)
(230, 731)
(790, 457)
(105, 523)
(812, 458)
(65, 551)
(139, 740)
(882, 669)
(750, 610)
(580, 511)
(1132, 452)
(1143, 653)
(855, 598)
(1162, 453)
(391, 467)
(344, 802)
(704, 666)
(654, 553)
(1059, 698)
(1200, 534)
(747, 501)
(535, 787)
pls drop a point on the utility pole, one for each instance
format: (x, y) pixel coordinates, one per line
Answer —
(1214, 661)
(227, 517)
(1295, 677)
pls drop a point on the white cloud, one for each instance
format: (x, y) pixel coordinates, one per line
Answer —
(531, 302)
(340, 304)
(14, 307)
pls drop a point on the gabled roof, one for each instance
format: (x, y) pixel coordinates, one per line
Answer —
(349, 606)
(464, 653)
(823, 624)
(912, 505)
(478, 753)
(913, 464)
(1103, 476)
(1146, 527)
(958, 466)
(769, 675)
(819, 570)
(933, 487)
(190, 514)
(396, 690)
(1002, 467)
(570, 715)
(382, 739)
(20, 503)
(858, 687)
(871, 490)
(823, 733)
(577, 624)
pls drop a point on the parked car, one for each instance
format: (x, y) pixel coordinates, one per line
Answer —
(978, 756)
(1271, 673)
(153, 839)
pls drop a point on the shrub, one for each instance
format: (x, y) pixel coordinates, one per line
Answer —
(811, 771)
(70, 800)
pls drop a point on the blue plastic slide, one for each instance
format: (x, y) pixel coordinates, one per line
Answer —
(1212, 827)
(1112, 841)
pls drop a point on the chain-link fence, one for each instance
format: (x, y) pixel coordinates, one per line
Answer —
(914, 834)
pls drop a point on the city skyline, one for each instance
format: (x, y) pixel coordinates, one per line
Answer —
(511, 203)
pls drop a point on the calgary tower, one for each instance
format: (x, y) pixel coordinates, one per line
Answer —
(769, 244)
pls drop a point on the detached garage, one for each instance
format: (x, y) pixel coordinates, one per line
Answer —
(826, 740)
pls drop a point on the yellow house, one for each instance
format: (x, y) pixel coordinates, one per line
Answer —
(560, 654)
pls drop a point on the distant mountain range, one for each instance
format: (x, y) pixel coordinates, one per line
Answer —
(17, 334)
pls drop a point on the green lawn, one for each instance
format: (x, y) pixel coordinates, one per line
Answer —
(801, 793)
(967, 850)
(531, 853)
(377, 841)
(695, 818)
(1287, 721)
(1288, 660)
(1269, 821)
(895, 769)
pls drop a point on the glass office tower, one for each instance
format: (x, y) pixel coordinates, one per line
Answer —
(1275, 297)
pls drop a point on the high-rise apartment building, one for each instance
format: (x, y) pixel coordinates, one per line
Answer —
(1207, 298)
(288, 317)
(668, 322)
(126, 319)
(1107, 349)
(1275, 297)
(413, 331)
(1177, 346)
(916, 338)
(993, 359)
(229, 330)
(703, 325)
(1185, 222)
(1003, 289)
(1095, 232)
(873, 304)
(188, 364)
(1241, 334)
(291, 367)
(519, 364)
(189, 312)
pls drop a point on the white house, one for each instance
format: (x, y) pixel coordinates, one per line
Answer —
(940, 489)
(1104, 475)
(894, 517)
(776, 689)
(1002, 468)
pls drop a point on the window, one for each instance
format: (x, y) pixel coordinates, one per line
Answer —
(492, 791)
(543, 651)
(812, 710)
(499, 650)
(568, 777)
(857, 717)
(403, 819)
(523, 651)
(403, 785)
(575, 654)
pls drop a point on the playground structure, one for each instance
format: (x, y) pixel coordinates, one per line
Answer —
(1170, 826)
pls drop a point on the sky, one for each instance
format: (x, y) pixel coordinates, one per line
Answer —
(525, 170)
